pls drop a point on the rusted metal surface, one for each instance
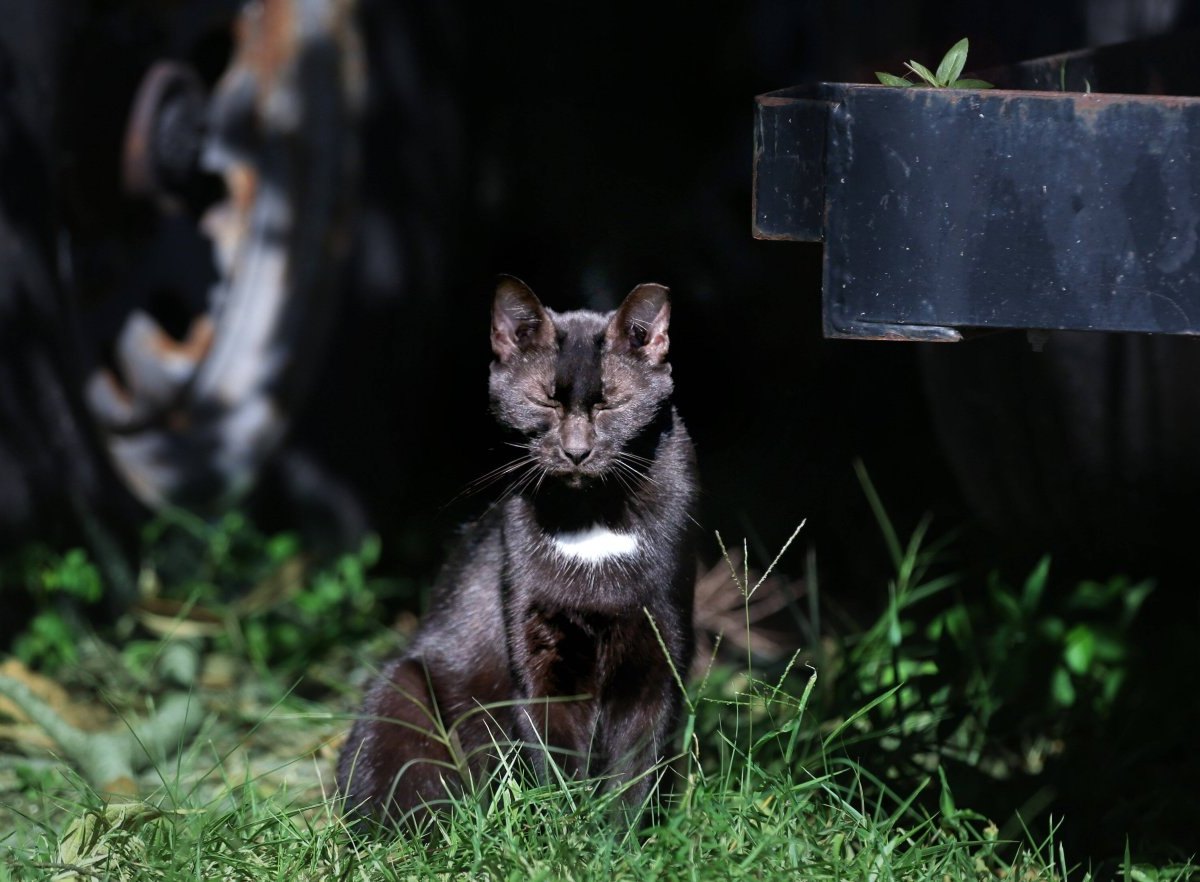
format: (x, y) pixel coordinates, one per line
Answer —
(190, 422)
(943, 210)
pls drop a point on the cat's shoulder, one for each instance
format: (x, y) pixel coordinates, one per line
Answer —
(476, 545)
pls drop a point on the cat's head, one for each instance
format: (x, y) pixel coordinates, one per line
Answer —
(580, 387)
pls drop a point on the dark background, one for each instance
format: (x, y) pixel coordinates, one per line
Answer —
(587, 148)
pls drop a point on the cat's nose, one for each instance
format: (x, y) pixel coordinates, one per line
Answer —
(576, 438)
(577, 454)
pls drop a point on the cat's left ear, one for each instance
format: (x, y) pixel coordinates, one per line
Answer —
(640, 323)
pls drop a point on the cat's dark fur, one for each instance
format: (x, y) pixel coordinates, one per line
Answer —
(548, 595)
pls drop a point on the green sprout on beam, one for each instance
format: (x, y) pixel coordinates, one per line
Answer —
(948, 75)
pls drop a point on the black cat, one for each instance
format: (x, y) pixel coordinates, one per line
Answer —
(545, 606)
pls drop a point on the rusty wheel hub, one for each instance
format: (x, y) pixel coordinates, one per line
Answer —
(190, 419)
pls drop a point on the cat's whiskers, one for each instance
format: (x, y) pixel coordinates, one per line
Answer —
(630, 469)
(489, 478)
(536, 471)
(620, 478)
(635, 457)
(507, 469)
(541, 477)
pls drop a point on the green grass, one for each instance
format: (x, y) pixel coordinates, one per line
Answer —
(867, 759)
(762, 792)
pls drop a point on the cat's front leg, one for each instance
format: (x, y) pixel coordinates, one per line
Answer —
(553, 730)
(554, 656)
(636, 725)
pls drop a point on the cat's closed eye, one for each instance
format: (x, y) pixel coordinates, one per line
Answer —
(610, 404)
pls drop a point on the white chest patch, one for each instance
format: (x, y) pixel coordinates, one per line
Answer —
(595, 544)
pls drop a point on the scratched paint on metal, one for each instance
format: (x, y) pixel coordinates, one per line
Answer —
(1017, 210)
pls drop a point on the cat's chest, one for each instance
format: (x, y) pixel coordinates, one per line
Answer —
(595, 545)
(598, 567)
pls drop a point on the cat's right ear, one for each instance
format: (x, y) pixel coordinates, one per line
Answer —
(519, 321)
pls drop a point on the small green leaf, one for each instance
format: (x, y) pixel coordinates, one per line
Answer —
(952, 63)
(1062, 688)
(1110, 687)
(888, 79)
(1007, 606)
(1051, 629)
(1133, 599)
(971, 84)
(1080, 651)
(1035, 585)
(283, 546)
(912, 669)
(922, 71)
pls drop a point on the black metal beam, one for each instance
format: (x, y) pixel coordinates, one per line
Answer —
(944, 210)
